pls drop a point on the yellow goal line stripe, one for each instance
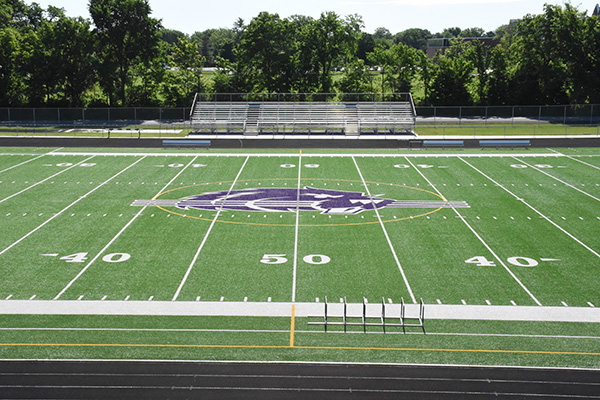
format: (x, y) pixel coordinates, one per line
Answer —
(216, 346)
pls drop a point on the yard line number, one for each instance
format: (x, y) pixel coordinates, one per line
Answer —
(314, 259)
(109, 258)
(482, 261)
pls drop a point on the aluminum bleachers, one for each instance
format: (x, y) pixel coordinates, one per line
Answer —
(358, 118)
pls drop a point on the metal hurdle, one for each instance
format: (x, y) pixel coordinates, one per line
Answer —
(404, 320)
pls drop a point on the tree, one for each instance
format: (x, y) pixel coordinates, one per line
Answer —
(186, 79)
(127, 36)
(356, 78)
(263, 58)
(451, 75)
(414, 37)
(11, 81)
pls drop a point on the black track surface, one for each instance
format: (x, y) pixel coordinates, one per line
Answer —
(224, 380)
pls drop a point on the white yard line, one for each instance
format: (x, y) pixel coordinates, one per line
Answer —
(189, 270)
(67, 207)
(296, 229)
(117, 235)
(557, 179)
(535, 210)
(410, 292)
(42, 181)
(492, 252)
(24, 162)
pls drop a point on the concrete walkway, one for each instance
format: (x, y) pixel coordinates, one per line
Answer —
(255, 309)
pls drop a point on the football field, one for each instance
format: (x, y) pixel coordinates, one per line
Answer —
(236, 230)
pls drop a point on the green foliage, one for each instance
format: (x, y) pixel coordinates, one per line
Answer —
(127, 35)
(356, 78)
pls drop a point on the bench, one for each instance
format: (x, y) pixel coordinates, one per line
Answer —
(443, 143)
(504, 143)
(186, 143)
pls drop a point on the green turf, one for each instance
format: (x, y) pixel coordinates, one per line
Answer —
(524, 208)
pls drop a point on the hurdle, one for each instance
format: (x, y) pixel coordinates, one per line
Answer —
(383, 320)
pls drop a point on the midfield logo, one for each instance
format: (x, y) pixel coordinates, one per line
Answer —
(290, 200)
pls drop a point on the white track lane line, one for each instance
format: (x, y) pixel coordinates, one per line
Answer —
(189, 270)
(24, 162)
(44, 180)
(535, 210)
(69, 206)
(557, 179)
(412, 296)
(117, 235)
(480, 238)
(296, 229)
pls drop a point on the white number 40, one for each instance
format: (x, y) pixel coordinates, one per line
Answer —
(109, 258)
(315, 259)
(481, 261)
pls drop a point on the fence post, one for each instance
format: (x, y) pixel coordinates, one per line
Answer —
(591, 114)
(512, 118)
(565, 116)
(460, 116)
(540, 115)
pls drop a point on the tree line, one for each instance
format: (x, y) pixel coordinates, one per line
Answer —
(124, 57)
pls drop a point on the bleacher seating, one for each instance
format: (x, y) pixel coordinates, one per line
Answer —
(303, 117)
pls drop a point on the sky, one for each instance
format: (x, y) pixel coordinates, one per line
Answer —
(190, 16)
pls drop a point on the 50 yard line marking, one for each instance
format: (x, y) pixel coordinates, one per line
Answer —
(478, 236)
(69, 206)
(116, 236)
(189, 270)
(412, 296)
(296, 230)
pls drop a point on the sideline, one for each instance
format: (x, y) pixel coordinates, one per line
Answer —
(284, 309)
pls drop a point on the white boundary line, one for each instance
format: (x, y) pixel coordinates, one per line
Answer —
(296, 228)
(480, 238)
(535, 210)
(189, 270)
(342, 155)
(208, 330)
(44, 180)
(557, 179)
(117, 235)
(69, 206)
(410, 292)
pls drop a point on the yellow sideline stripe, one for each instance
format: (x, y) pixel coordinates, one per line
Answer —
(539, 352)
(293, 325)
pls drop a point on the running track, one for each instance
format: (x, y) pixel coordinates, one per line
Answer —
(181, 380)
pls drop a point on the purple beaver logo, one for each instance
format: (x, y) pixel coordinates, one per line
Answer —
(286, 200)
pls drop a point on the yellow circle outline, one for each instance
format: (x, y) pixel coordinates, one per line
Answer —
(306, 225)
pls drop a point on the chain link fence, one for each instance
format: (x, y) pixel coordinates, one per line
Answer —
(173, 122)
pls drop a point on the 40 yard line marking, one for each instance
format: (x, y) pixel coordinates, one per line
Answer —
(69, 206)
(116, 236)
(44, 180)
(189, 270)
(534, 209)
(412, 296)
(25, 162)
(478, 236)
(557, 179)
